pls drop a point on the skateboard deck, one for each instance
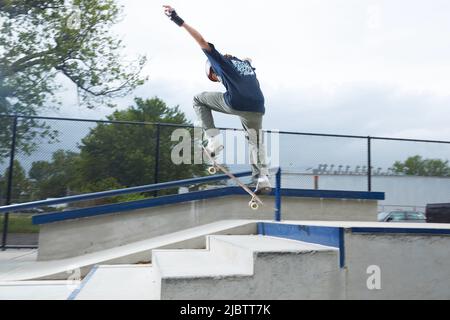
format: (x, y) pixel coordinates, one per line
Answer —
(255, 202)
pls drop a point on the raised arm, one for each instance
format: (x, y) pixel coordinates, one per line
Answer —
(171, 13)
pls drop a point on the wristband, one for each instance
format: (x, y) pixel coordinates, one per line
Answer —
(176, 18)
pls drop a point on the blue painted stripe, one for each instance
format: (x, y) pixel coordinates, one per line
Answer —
(75, 293)
(400, 230)
(332, 194)
(324, 194)
(327, 236)
(328, 194)
(260, 228)
(342, 247)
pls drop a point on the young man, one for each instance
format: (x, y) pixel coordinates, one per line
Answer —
(243, 98)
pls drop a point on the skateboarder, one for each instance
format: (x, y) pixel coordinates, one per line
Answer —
(242, 98)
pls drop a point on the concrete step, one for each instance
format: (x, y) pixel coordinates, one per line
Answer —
(37, 290)
(119, 282)
(250, 267)
(180, 264)
(231, 267)
(15, 269)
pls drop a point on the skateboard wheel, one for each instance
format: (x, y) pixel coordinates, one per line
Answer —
(253, 205)
(212, 170)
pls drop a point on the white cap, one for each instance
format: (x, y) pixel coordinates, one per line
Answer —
(209, 70)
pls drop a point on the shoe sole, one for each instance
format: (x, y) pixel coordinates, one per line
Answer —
(266, 190)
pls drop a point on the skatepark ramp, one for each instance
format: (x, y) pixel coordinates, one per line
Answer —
(237, 267)
(290, 261)
(275, 260)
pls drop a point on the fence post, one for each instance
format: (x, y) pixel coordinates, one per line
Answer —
(157, 155)
(9, 186)
(278, 195)
(369, 164)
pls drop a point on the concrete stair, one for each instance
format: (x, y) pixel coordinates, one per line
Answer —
(37, 290)
(250, 267)
(119, 282)
(231, 267)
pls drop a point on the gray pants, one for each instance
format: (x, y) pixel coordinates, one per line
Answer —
(206, 102)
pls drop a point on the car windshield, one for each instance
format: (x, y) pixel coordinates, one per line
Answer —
(416, 216)
(397, 216)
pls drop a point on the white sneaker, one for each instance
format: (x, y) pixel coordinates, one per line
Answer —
(263, 185)
(214, 146)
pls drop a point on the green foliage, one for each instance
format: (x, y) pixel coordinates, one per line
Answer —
(105, 185)
(127, 152)
(20, 223)
(116, 156)
(55, 178)
(38, 42)
(21, 186)
(418, 166)
(29, 134)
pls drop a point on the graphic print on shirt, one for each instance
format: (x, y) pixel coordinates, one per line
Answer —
(243, 68)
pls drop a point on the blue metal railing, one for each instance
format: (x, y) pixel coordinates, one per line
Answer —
(278, 195)
(111, 193)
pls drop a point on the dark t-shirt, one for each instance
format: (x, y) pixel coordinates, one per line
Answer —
(239, 78)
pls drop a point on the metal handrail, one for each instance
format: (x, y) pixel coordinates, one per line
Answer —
(110, 193)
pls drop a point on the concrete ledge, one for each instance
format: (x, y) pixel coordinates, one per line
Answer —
(199, 195)
(411, 258)
(79, 232)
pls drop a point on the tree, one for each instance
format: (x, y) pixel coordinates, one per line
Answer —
(21, 186)
(417, 166)
(126, 152)
(54, 179)
(29, 134)
(39, 41)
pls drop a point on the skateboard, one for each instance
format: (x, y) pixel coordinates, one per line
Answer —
(255, 201)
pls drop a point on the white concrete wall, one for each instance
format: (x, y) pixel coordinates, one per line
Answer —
(403, 191)
(412, 266)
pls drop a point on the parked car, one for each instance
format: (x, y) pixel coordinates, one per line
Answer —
(405, 216)
(31, 211)
(382, 215)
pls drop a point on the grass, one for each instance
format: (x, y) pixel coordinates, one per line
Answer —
(19, 223)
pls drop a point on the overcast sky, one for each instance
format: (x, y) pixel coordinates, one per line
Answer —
(366, 67)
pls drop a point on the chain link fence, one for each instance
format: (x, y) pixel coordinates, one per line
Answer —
(412, 173)
(43, 158)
